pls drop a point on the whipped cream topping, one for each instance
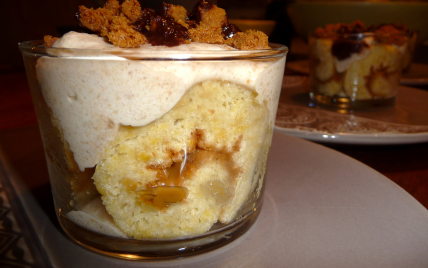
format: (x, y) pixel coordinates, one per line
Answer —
(81, 41)
(92, 97)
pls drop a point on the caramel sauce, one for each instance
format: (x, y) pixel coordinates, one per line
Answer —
(162, 196)
(159, 197)
(168, 186)
(186, 169)
(81, 182)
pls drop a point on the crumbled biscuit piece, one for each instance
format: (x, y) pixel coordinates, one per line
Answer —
(97, 20)
(112, 5)
(132, 10)
(48, 40)
(215, 16)
(249, 40)
(341, 28)
(206, 34)
(209, 30)
(390, 34)
(116, 26)
(122, 34)
(178, 13)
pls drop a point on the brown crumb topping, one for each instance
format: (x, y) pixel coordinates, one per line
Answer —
(385, 33)
(250, 39)
(121, 33)
(177, 13)
(132, 10)
(49, 40)
(341, 28)
(129, 25)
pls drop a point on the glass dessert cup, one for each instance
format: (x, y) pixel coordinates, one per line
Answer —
(158, 154)
(356, 71)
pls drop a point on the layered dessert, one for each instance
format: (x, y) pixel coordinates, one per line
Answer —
(146, 144)
(355, 62)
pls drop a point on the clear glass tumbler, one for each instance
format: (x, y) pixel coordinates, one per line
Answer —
(155, 154)
(354, 71)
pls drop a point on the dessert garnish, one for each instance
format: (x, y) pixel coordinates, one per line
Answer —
(130, 26)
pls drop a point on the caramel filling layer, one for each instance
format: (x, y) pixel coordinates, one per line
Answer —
(168, 186)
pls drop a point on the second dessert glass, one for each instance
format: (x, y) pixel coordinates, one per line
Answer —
(356, 70)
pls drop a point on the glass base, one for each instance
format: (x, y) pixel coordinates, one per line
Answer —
(160, 249)
(348, 104)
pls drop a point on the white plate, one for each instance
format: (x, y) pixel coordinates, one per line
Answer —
(324, 126)
(405, 122)
(321, 209)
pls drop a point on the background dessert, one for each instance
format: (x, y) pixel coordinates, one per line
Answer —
(356, 63)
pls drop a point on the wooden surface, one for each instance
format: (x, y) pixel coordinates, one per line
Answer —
(406, 165)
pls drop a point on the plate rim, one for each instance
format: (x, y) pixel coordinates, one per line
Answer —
(350, 138)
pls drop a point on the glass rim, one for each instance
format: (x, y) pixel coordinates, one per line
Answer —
(36, 48)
